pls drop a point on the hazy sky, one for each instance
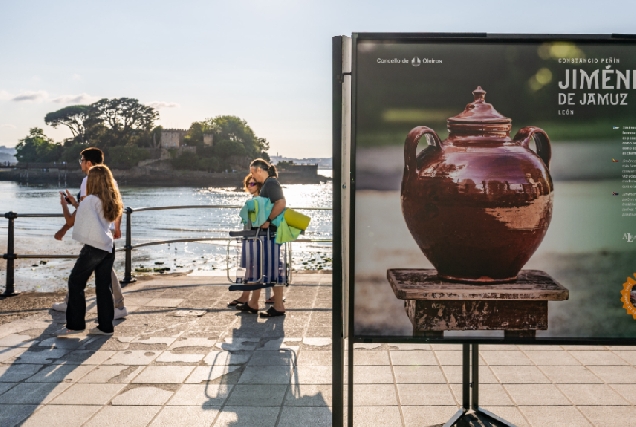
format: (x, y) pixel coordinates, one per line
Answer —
(268, 62)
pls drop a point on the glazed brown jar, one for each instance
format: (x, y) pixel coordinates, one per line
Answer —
(479, 203)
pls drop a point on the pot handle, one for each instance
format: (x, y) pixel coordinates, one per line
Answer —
(544, 149)
(410, 145)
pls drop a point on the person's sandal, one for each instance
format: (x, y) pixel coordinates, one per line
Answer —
(69, 333)
(235, 302)
(272, 312)
(247, 309)
(97, 331)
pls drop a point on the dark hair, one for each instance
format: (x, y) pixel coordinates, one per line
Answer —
(93, 155)
(246, 180)
(266, 166)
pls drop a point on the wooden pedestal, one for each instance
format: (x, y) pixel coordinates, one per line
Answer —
(434, 305)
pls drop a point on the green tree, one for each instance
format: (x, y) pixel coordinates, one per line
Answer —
(211, 164)
(186, 161)
(194, 136)
(225, 149)
(37, 147)
(121, 121)
(71, 152)
(125, 157)
(233, 136)
(73, 117)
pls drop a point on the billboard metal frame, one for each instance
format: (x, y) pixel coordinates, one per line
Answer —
(344, 249)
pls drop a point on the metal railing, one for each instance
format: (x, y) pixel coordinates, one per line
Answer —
(11, 256)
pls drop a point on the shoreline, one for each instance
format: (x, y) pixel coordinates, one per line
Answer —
(152, 178)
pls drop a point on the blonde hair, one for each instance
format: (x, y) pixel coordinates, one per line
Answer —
(100, 182)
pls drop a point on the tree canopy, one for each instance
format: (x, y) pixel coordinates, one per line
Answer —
(123, 115)
(125, 129)
(37, 147)
(107, 122)
(73, 117)
(234, 131)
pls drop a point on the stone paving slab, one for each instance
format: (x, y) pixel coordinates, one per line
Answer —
(163, 375)
(169, 357)
(113, 374)
(16, 340)
(32, 393)
(88, 394)
(185, 416)
(6, 386)
(202, 374)
(192, 342)
(86, 357)
(217, 358)
(181, 357)
(319, 416)
(245, 416)
(132, 357)
(257, 395)
(142, 396)
(40, 356)
(17, 373)
(60, 373)
(129, 416)
(208, 394)
(62, 415)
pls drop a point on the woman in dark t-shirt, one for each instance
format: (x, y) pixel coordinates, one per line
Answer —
(266, 174)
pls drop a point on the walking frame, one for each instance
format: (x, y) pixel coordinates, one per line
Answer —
(244, 284)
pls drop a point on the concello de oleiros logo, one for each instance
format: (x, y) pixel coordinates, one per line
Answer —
(627, 299)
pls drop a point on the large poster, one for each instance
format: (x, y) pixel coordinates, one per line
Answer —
(495, 188)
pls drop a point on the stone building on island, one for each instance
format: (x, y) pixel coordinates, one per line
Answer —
(174, 139)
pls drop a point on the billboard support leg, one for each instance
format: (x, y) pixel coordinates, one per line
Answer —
(470, 413)
(10, 256)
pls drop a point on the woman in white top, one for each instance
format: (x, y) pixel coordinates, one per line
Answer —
(91, 222)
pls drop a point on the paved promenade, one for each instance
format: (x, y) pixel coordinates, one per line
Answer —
(182, 358)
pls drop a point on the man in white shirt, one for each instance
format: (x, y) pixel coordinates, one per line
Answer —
(90, 157)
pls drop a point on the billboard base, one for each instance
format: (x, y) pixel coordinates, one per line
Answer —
(479, 417)
(471, 414)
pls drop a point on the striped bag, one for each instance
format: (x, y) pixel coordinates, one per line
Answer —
(274, 267)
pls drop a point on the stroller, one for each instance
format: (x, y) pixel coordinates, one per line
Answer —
(262, 263)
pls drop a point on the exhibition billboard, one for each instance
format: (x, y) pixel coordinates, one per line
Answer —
(493, 187)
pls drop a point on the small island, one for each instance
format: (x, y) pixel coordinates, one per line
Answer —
(215, 152)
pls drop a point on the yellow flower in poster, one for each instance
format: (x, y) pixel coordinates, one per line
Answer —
(628, 303)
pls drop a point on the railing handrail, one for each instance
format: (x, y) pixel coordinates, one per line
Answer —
(40, 215)
(11, 256)
(161, 208)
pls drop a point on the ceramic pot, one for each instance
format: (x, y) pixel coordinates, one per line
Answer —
(479, 203)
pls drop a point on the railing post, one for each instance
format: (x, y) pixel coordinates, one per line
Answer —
(10, 256)
(128, 247)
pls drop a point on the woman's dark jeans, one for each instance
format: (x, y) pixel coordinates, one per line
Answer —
(101, 262)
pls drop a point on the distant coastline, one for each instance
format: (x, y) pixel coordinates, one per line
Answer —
(150, 178)
(158, 173)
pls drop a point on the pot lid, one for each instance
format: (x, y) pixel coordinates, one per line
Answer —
(479, 111)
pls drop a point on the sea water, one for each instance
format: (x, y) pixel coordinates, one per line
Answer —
(35, 235)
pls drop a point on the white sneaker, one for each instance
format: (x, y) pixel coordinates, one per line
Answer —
(68, 333)
(59, 306)
(97, 331)
(120, 313)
